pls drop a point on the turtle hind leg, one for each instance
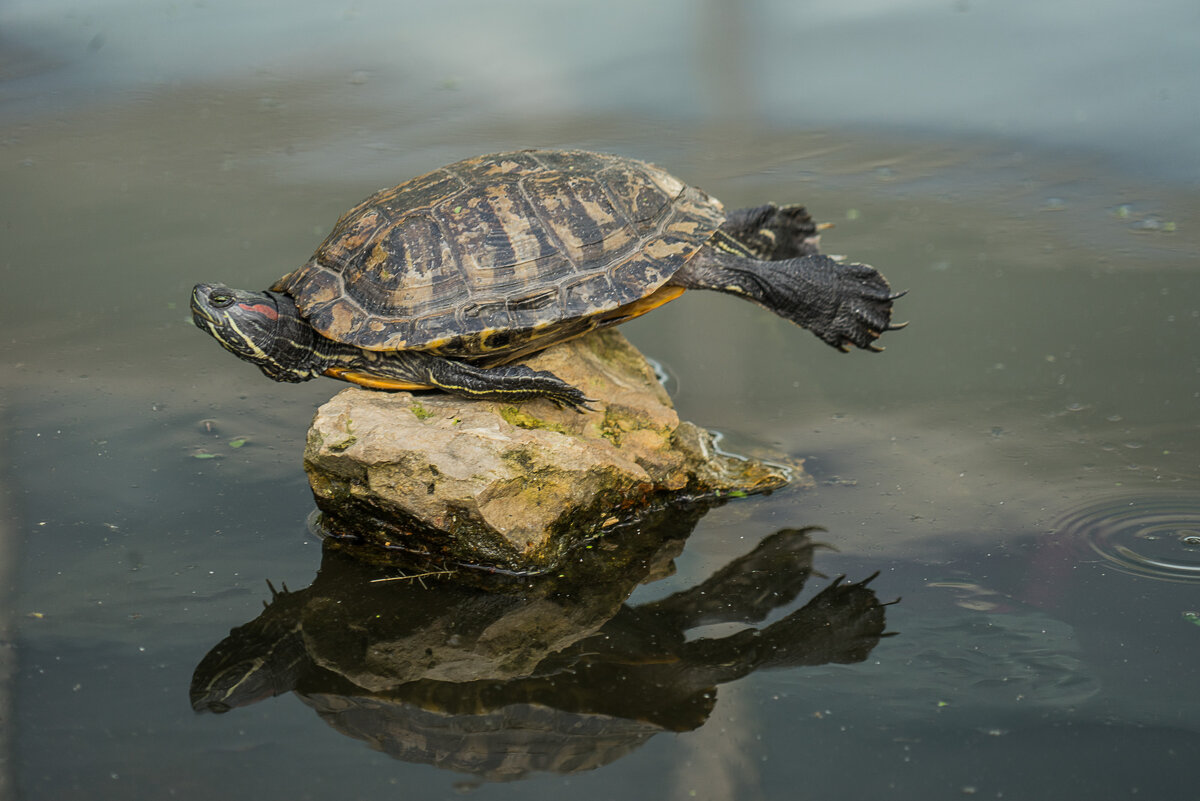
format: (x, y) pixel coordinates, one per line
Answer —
(843, 304)
(774, 232)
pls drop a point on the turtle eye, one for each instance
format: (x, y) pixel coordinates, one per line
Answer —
(221, 299)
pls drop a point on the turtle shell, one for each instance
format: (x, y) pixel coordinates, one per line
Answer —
(494, 253)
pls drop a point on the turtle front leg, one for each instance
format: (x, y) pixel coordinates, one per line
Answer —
(410, 370)
(506, 383)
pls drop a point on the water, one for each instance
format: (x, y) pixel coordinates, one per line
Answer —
(1021, 464)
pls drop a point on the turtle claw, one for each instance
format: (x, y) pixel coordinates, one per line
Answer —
(869, 316)
(573, 400)
(555, 390)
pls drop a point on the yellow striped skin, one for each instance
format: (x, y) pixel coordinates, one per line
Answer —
(372, 382)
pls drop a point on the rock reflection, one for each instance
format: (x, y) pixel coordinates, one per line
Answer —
(502, 677)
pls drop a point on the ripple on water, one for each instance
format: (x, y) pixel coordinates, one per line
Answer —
(1155, 536)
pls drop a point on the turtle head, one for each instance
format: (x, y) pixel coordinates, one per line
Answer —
(243, 322)
(261, 327)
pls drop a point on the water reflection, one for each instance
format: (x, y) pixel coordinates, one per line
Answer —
(502, 677)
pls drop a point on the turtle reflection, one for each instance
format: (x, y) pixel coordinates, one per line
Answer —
(563, 676)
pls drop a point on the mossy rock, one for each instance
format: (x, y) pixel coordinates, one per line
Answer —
(518, 487)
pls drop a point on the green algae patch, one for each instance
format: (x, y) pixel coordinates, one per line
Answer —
(619, 422)
(519, 418)
(419, 411)
(336, 444)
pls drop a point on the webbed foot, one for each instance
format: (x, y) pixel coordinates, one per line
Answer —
(843, 304)
(859, 306)
(774, 232)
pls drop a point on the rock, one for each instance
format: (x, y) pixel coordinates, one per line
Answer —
(516, 486)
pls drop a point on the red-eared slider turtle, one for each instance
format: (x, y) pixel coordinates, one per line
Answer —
(445, 280)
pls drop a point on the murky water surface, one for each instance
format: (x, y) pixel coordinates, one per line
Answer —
(1022, 466)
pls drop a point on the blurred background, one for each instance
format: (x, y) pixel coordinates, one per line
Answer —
(1022, 463)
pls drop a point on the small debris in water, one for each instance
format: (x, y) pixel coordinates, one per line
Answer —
(838, 481)
(417, 577)
(1144, 223)
(1154, 224)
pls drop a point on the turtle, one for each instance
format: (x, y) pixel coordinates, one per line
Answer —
(447, 281)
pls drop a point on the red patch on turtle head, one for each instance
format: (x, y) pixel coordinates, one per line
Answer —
(261, 308)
